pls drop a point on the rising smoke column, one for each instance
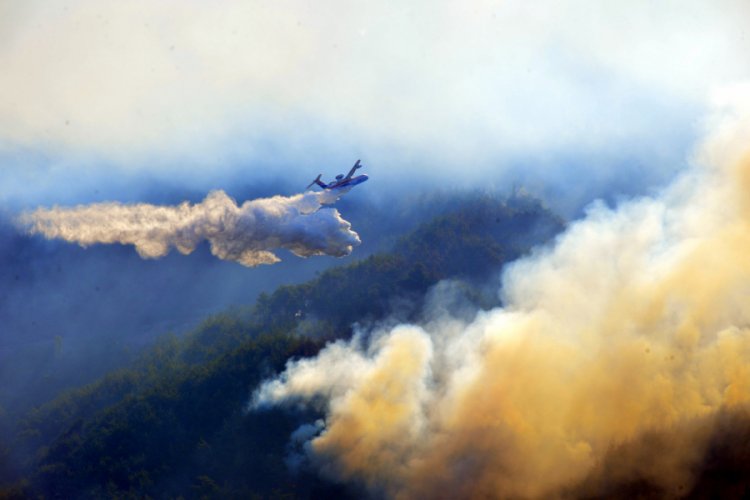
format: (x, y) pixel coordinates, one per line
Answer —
(635, 324)
(247, 234)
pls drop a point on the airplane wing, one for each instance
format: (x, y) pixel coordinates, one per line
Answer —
(351, 172)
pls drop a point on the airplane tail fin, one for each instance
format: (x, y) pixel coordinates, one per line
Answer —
(315, 181)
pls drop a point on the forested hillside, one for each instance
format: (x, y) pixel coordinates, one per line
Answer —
(175, 422)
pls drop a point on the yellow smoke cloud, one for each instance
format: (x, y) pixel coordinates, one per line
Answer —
(616, 350)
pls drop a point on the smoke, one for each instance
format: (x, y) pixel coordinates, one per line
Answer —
(611, 360)
(247, 234)
(129, 92)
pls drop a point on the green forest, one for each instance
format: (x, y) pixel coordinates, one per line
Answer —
(175, 423)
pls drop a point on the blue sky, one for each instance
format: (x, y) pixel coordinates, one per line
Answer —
(104, 99)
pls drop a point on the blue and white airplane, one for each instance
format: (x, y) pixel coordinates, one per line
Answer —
(341, 183)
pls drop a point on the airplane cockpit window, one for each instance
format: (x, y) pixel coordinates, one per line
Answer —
(339, 177)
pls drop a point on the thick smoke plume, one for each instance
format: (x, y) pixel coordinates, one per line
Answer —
(247, 234)
(631, 333)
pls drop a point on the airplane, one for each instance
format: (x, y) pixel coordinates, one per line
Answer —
(341, 183)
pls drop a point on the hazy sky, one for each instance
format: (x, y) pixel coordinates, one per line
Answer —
(105, 93)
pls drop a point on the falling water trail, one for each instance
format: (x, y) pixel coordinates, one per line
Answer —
(248, 233)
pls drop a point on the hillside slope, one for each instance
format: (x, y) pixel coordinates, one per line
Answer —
(175, 424)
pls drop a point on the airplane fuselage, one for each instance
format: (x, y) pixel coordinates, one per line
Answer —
(347, 183)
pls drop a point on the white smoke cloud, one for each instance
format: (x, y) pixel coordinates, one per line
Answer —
(247, 234)
(137, 81)
(635, 322)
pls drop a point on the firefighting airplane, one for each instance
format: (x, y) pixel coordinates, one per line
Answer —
(342, 184)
